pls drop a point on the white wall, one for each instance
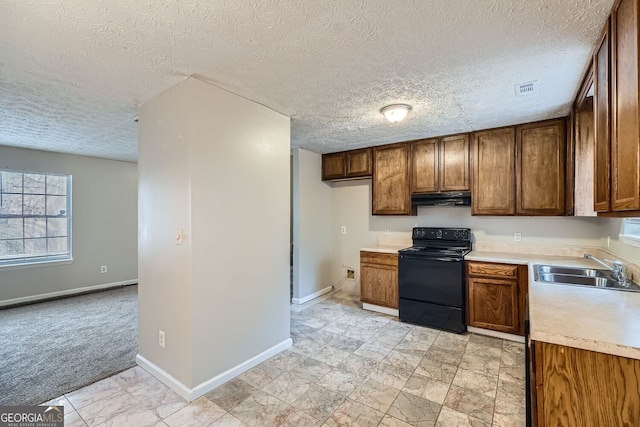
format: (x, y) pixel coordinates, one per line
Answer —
(612, 227)
(351, 207)
(104, 221)
(312, 224)
(217, 166)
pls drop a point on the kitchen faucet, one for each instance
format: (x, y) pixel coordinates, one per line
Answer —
(619, 272)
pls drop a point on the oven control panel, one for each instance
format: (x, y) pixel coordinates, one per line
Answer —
(433, 233)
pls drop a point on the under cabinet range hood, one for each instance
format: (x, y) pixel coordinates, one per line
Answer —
(452, 198)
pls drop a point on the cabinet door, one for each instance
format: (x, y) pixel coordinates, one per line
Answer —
(493, 304)
(493, 187)
(580, 388)
(333, 166)
(379, 285)
(625, 135)
(454, 163)
(424, 166)
(541, 149)
(391, 194)
(358, 163)
(602, 91)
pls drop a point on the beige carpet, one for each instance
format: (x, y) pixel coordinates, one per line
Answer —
(51, 348)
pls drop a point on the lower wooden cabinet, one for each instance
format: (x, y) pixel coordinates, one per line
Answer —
(379, 279)
(496, 296)
(581, 388)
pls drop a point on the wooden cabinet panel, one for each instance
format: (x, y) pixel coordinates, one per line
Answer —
(492, 270)
(602, 100)
(346, 164)
(358, 163)
(379, 279)
(496, 296)
(390, 186)
(541, 165)
(493, 304)
(424, 166)
(494, 172)
(625, 144)
(333, 166)
(580, 388)
(454, 163)
(379, 258)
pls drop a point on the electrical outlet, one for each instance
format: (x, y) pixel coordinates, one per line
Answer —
(517, 237)
(161, 338)
(351, 274)
(103, 269)
(386, 231)
(343, 229)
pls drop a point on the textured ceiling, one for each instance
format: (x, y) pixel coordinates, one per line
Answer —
(72, 72)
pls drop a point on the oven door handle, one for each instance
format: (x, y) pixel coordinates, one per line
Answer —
(433, 258)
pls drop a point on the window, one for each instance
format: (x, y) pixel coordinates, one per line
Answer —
(35, 217)
(631, 231)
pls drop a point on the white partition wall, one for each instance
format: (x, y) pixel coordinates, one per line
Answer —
(213, 171)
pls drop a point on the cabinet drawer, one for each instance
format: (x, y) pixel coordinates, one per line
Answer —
(493, 270)
(378, 258)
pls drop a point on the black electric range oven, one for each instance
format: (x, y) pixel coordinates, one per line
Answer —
(431, 285)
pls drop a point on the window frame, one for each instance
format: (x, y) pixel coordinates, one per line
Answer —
(631, 239)
(46, 259)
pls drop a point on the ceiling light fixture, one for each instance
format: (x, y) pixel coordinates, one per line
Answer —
(396, 112)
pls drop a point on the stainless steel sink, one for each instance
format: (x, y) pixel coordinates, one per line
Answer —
(581, 277)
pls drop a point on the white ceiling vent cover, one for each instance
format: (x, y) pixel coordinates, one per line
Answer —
(526, 89)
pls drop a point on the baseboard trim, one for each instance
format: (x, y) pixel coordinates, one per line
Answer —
(379, 309)
(312, 296)
(67, 293)
(495, 334)
(191, 394)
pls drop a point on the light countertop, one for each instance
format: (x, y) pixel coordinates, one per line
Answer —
(386, 249)
(603, 320)
(513, 258)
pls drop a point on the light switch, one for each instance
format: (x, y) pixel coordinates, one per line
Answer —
(179, 236)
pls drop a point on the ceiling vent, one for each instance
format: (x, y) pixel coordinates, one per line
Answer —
(526, 89)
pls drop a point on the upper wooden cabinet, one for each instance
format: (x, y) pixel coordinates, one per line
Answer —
(602, 101)
(625, 132)
(454, 163)
(346, 164)
(532, 185)
(440, 164)
(493, 172)
(390, 187)
(425, 156)
(540, 177)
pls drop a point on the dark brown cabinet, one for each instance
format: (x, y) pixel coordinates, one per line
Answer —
(581, 388)
(602, 101)
(440, 164)
(493, 172)
(424, 166)
(495, 296)
(625, 132)
(390, 187)
(540, 177)
(520, 170)
(379, 279)
(346, 164)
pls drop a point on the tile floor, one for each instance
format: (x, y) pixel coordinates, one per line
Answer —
(347, 367)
